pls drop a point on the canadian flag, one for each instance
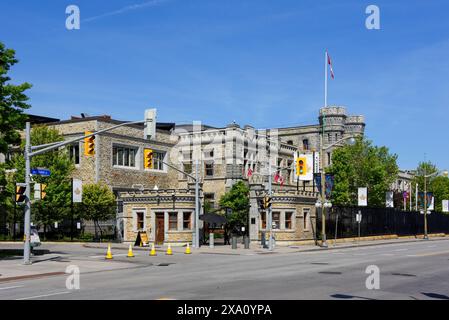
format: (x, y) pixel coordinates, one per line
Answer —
(329, 62)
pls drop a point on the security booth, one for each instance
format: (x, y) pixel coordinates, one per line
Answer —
(158, 216)
(293, 217)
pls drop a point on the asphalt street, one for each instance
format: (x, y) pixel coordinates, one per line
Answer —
(415, 270)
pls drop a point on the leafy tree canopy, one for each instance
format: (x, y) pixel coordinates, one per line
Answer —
(238, 200)
(362, 165)
(437, 184)
(12, 101)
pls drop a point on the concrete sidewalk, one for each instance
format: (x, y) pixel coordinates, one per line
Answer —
(257, 248)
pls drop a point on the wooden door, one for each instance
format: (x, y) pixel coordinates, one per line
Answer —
(159, 228)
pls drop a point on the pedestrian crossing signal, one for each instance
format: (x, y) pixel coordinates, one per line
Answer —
(148, 158)
(20, 193)
(43, 192)
(89, 144)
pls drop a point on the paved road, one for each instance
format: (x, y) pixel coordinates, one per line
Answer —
(416, 270)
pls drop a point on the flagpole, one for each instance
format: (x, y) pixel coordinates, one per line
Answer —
(325, 79)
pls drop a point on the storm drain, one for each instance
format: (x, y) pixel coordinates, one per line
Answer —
(164, 264)
(320, 263)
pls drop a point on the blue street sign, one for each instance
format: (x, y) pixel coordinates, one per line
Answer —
(41, 172)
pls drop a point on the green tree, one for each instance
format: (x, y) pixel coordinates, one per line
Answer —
(438, 185)
(55, 206)
(362, 165)
(238, 200)
(99, 203)
(12, 119)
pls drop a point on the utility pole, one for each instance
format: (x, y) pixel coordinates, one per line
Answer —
(27, 220)
(197, 190)
(270, 211)
(425, 203)
(323, 193)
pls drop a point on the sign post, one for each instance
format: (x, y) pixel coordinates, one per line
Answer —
(359, 220)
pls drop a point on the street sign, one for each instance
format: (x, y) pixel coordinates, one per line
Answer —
(358, 217)
(41, 172)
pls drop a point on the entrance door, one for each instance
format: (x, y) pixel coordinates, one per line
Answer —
(159, 228)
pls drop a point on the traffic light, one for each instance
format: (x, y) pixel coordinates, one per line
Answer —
(43, 192)
(266, 202)
(20, 193)
(89, 144)
(301, 166)
(148, 159)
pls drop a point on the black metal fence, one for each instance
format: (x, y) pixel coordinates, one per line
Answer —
(341, 221)
(59, 223)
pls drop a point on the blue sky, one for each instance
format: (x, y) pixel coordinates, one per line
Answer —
(257, 62)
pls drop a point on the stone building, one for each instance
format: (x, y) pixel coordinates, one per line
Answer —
(159, 201)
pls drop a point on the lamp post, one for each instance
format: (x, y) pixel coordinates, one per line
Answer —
(445, 174)
(322, 202)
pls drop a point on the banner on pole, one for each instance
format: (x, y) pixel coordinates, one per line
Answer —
(77, 191)
(363, 197)
(389, 202)
(445, 205)
(316, 162)
(329, 184)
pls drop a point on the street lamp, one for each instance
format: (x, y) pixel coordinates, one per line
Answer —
(322, 202)
(443, 173)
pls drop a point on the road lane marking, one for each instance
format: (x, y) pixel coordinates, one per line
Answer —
(44, 295)
(428, 254)
(13, 287)
(387, 254)
(397, 250)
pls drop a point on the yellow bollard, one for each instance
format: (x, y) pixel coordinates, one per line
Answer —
(188, 251)
(169, 252)
(153, 250)
(130, 252)
(109, 253)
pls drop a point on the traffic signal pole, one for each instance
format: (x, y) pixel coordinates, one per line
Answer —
(28, 154)
(270, 211)
(27, 220)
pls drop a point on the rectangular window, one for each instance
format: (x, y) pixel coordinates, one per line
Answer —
(288, 220)
(187, 167)
(158, 158)
(186, 224)
(124, 156)
(172, 221)
(140, 220)
(263, 220)
(209, 168)
(305, 144)
(306, 217)
(75, 153)
(210, 199)
(276, 220)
